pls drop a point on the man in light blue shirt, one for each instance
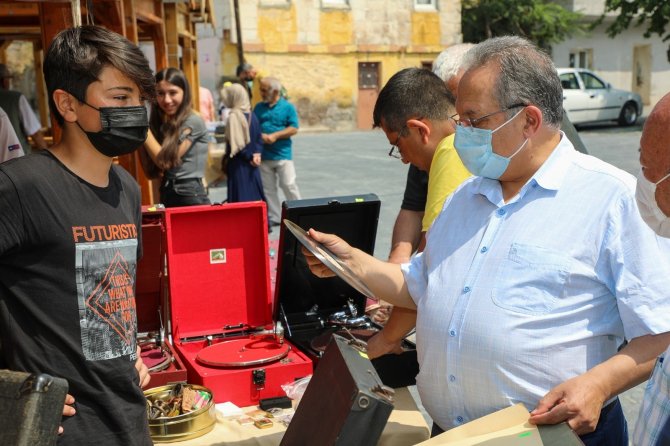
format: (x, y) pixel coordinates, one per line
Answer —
(535, 271)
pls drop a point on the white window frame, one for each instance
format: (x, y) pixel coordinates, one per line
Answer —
(582, 58)
(431, 6)
(334, 3)
(272, 3)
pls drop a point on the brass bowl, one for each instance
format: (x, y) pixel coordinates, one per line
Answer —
(182, 427)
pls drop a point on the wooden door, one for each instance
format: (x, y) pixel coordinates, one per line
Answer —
(642, 72)
(368, 89)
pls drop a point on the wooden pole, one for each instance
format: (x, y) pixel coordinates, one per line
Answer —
(240, 50)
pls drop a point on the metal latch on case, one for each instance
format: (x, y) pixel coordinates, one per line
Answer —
(258, 378)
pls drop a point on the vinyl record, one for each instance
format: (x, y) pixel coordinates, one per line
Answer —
(155, 358)
(329, 259)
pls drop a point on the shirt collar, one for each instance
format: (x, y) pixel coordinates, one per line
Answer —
(549, 176)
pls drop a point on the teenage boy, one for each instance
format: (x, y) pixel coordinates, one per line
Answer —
(70, 240)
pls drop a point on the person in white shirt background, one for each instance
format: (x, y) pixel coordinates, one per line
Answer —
(10, 147)
(653, 199)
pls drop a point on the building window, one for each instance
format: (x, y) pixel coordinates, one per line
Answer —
(581, 59)
(425, 5)
(335, 4)
(275, 2)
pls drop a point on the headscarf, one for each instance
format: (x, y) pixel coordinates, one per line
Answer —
(236, 98)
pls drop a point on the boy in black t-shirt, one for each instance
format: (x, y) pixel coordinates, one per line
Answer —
(70, 239)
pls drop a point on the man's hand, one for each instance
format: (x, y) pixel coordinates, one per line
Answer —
(378, 345)
(577, 401)
(68, 410)
(334, 244)
(268, 138)
(142, 369)
(256, 160)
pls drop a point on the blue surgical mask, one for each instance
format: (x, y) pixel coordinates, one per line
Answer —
(474, 147)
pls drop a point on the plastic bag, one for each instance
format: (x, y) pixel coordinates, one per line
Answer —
(296, 389)
(213, 172)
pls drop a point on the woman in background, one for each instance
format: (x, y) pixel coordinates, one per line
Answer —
(176, 147)
(244, 147)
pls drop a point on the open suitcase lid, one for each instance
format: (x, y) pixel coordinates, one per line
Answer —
(149, 293)
(218, 269)
(300, 296)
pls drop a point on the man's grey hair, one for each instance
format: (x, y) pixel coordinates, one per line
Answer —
(526, 75)
(273, 83)
(449, 61)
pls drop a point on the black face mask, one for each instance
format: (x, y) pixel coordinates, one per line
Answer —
(124, 129)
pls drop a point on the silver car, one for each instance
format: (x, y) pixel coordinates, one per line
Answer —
(588, 98)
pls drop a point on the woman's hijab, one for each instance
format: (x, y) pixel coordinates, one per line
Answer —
(236, 98)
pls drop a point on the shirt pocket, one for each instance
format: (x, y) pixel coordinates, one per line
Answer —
(531, 279)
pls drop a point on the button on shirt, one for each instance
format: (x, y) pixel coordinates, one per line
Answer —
(515, 298)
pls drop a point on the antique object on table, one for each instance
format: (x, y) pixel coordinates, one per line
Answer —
(221, 306)
(312, 308)
(31, 407)
(179, 412)
(165, 367)
(345, 403)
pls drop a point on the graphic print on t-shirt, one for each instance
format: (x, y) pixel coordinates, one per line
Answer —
(105, 274)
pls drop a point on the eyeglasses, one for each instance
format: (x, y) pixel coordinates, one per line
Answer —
(473, 122)
(395, 151)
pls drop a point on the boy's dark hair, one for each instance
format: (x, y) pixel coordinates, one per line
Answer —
(412, 93)
(77, 55)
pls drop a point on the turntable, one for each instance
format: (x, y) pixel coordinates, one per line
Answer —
(313, 308)
(151, 300)
(221, 307)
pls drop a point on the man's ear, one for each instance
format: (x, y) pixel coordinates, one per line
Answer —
(534, 120)
(423, 128)
(66, 105)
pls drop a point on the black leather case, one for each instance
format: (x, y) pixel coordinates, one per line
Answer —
(304, 302)
(31, 407)
(343, 404)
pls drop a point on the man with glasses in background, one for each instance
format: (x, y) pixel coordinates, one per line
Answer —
(413, 110)
(536, 270)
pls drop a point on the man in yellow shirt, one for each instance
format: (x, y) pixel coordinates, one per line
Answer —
(413, 109)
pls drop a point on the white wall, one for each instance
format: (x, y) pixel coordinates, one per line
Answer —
(613, 58)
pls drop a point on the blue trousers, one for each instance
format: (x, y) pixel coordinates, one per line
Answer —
(664, 436)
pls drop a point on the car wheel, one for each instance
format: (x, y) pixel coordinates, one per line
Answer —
(628, 115)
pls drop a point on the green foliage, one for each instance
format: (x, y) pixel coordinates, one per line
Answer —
(654, 13)
(542, 22)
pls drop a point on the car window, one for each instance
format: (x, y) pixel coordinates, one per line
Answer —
(569, 81)
(590, 81)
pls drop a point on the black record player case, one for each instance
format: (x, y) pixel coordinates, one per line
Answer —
(305, 303)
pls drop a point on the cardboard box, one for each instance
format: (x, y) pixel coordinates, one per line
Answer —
(218, 273)
(507, 427)
(306, 303)
(152, 300)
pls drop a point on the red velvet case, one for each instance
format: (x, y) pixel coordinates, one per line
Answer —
(151, 292)
(218, 270)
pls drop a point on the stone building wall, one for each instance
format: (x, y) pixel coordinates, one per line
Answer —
(314, 47)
